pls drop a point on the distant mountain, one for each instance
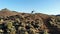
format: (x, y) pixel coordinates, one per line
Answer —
(58, 15)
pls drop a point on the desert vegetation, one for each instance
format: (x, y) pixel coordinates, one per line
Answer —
(25, 23)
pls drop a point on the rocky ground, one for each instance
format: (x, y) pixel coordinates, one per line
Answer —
(12, 22)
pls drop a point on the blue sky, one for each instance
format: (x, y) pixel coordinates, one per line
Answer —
(39, 6)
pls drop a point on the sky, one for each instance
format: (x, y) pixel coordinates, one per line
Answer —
(39, 6)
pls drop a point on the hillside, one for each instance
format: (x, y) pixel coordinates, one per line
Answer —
(12, 22)
(6, 12)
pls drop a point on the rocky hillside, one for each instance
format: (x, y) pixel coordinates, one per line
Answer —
(12, 22)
